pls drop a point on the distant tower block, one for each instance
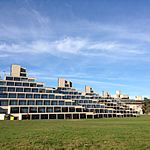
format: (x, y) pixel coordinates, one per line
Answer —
(17, 71)
(64, 83)
(88, 89)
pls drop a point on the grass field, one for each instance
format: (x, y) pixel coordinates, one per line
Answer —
(113, 134)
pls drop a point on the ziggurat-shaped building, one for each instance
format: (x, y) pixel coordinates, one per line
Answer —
(24, 98)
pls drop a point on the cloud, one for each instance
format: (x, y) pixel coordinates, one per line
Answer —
(70, 45)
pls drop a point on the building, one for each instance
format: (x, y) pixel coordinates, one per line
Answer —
(22, 97)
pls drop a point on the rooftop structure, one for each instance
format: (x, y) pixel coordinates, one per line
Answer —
(22, 97)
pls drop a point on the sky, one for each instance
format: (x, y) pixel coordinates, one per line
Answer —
(101, 43)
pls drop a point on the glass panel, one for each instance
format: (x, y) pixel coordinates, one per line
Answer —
(24, 110)
(13, 102)
(54, 102)
(10, 83)
(11, 89)
(16, 79)
(25, 84)
(33, 110)
(27, 90)
(28, 95)
(3, 102)
(36, 95)
(39, 102)
(21, 95)
(22, 102)
(34, 90)
(49, 109)
(9, 78)
(61, 102)
(57, 109)
(46, 102)
(31, 102)
(19, 89)
(44, 96)
(18, 84)
(12, 95)
(41, 109)
(51, 96)
(32, 84)
(2, 89)
(14, 110)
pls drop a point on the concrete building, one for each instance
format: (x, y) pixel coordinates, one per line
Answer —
(22, 97)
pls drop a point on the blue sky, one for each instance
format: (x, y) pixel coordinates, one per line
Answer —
(102, 43)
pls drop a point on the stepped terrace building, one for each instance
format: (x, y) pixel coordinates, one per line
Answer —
(22, 97)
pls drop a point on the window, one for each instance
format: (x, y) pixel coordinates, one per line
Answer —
(41, 109)
(36, 95)
(39, 85)
(2, 89)
(39, 102)
(78, 110)
(3, 102)
(11, 89)
(12, 95)
(27, 90)
(9, 78)
(57, 109)
(13, 102)
(22, 102)
(51, 96)
(44, 96)
(54, 103)
(46, 102)
(14, 110)
(33, 110)
(61, 102)
(49, 109)
(31, 102)
(21, 95)
(3, 95)
(71, 109)
(25, 84)
(68, 103)
(18, 84)
(28, 95)
(24, 110)
(32, 84)
(49, 91)
(10, 83)
(19, 89)
(41, 90)
(16, 79)
(64, 109)
(22, 70)
(58, 97)
(2, 83)
(34, 90)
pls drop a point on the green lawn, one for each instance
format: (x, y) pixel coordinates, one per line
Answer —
(112, 133)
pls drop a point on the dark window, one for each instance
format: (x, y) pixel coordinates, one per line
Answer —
(51, 96)
(14, 110)
(49, 109)
(54, 103)
(3, 102)
(12, 95)
(32, 84)
(61, 102)
(16, 79)
(41, 109)
(27, 90)
(18, 84)
(49, 91)
(36, 95)
(24, 110)
(39, 102)
(2, 83)
(2, 89)
(58, 97)
(28, 95)
(31, 102)
(25, 84)
(57, 109)
(11, 89)
(23, 70)
(9, 78)
(3, 95)
(41, 90)
(19, 89)
(68, 103)
(23, 74)
(34, 90)
(39, 85)
(44, 96)
(22, 102)
(33, 110)
(64, 109)
(21, 95)
(71, 109)
(10, 83)
(13, 102)
(78, 110)
(46, 102)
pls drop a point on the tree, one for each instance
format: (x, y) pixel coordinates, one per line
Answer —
(146, 106)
